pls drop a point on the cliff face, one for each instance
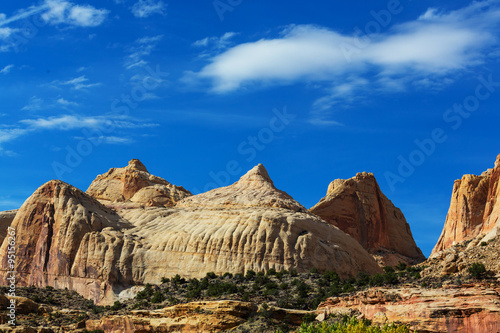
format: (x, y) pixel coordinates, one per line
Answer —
(359, 208)
(67, 238)
(474, 209)
(465, 309)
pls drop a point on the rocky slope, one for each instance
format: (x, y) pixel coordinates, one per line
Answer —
(474, 209)
(464, 309)
(358, 207)
(136, 184)
(66, 238)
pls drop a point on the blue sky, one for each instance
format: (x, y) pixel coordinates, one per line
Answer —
(201, 91)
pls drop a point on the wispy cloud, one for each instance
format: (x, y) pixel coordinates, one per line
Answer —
(25, 127)
(66, 103)
(436, 44)
(112, 140)
(141, 48)
(34, 104)
(78, 83)
(6, 69)
(146, 8)
(214, 45)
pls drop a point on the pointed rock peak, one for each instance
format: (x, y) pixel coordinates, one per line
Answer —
(137, 165)
(257, 174)
(361, 179)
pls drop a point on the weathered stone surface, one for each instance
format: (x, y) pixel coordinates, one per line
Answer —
(468, 309)
(358, 207)
(193, 317)
(474, 209)
(68, 239)
(136, 184)
(50, 228)
(6, 219)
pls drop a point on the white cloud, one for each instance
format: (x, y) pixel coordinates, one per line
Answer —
(112, 140)
(6, 69)
(78, 83)
(142, 47)
(25, 127)
(34, 104)
(436, 44)
(65, 102)
(217, 42)
(146, 8)
(87, 16)
(60, 11)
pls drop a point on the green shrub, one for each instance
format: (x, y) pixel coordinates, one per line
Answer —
(211, 275)
(271, 271)
(158, 297)
(477, 270)
(351, 325)
(483, 244)
(227, 275)
(313, 270)
(146, 293)
(401, 266)
(165, 280)
(177, 279)
(362, 279)
(309, 317)
(293, 272)
(250, 275)
(377, 280)
(116, 306)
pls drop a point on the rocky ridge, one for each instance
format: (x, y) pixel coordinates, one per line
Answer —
(359, 208)
(69, 239)
(474, 209)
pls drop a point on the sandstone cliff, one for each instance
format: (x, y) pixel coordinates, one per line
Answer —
(474, 209)
(358, 207)
(465, 309)
(66, 238)
(6, 219)
(136, 184)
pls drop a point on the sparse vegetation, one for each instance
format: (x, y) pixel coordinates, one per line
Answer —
(351, 325)
(477, 270)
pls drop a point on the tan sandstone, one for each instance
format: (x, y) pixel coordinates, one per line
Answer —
(66, 238)
(474, 209)
(465, 309)
(136, 184)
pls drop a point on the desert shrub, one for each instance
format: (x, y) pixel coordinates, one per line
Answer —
(331, 277)
(211, 275)
(250, 275)
(309, 318)
(227, 275)
(146, 293)
(362, 279)
(477, 270)
(165, 280)
(351, 325)
(116, 306)
(401, 266)
(220, 288)
(158, 297)
(483, 244)
(177, 279)
(377, 280)
(313, 270)
(293, 272)
(271, 271)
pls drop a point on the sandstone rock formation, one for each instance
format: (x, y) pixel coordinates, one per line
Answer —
(465, 309)
(6, 219)
(474, 209)
(359, 208)
(136, 184)
(66, 238)
(215, 316)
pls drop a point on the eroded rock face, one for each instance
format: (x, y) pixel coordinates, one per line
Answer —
(136, 184)
(6, 219)
(193, 317)
(359, 208)
(465, 309)
(66, 238)
(474, 209)
(51, 229)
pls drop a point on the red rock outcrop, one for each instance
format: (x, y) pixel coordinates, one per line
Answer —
(465, 309)
(474, 209)
(359, 208)
(136, 184)
(6, 219)
(66, 238)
